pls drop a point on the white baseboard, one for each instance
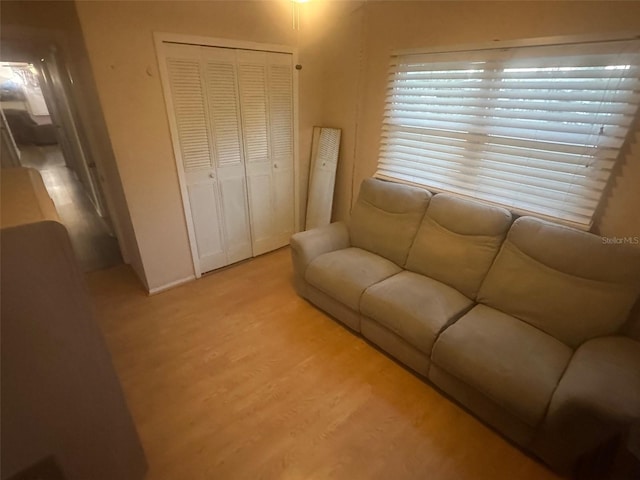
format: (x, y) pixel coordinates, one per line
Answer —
(167, 286)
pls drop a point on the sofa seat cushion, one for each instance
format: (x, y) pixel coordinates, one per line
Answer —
(345, 274)
(514, 364)
(414, 307)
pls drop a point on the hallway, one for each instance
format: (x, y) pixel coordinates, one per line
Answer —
(94, 246)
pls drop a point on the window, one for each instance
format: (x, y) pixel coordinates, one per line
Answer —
(536, 129)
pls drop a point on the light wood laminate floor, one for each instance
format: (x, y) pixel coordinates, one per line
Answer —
(234, 376)
(92, 243)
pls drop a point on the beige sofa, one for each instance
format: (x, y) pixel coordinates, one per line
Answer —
(518, 321)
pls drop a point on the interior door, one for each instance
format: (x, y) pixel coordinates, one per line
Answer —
(232, 113)
(186, 81)
(55, 85)
(280, 93)
(267, 124)
(252, 76)
(223, 104)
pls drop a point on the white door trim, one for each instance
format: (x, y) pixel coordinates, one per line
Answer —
(159, 39)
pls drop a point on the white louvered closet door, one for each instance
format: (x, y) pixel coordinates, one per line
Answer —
(233, 119)
(223, 104)
(280, 87)
(266, 99)
(185, 75)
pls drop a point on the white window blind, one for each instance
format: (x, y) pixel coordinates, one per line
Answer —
(536, 129)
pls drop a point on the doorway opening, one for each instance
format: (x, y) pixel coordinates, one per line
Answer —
(39, 115)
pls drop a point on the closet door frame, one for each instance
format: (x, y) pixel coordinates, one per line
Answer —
(160, 39)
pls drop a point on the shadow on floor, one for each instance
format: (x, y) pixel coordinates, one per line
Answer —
(95, 247)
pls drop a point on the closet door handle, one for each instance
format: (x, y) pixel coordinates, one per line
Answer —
(211, 175)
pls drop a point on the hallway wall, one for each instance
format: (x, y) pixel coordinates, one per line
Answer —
(29, 29)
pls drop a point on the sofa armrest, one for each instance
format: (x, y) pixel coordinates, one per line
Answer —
(305, 246)
(597, 398)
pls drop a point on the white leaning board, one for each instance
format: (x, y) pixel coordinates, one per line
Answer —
(322, 176)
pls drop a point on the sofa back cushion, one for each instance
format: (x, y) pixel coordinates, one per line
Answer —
(386, 217)
(563, 281)
(457, 242)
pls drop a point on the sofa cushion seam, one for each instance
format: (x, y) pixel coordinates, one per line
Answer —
(477, 235)
(406, 212)
(606, 283)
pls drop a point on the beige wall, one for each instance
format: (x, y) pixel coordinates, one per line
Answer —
(119, 39)
(29, 29)
(392, 25)
(620, 211)
(343, 82)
